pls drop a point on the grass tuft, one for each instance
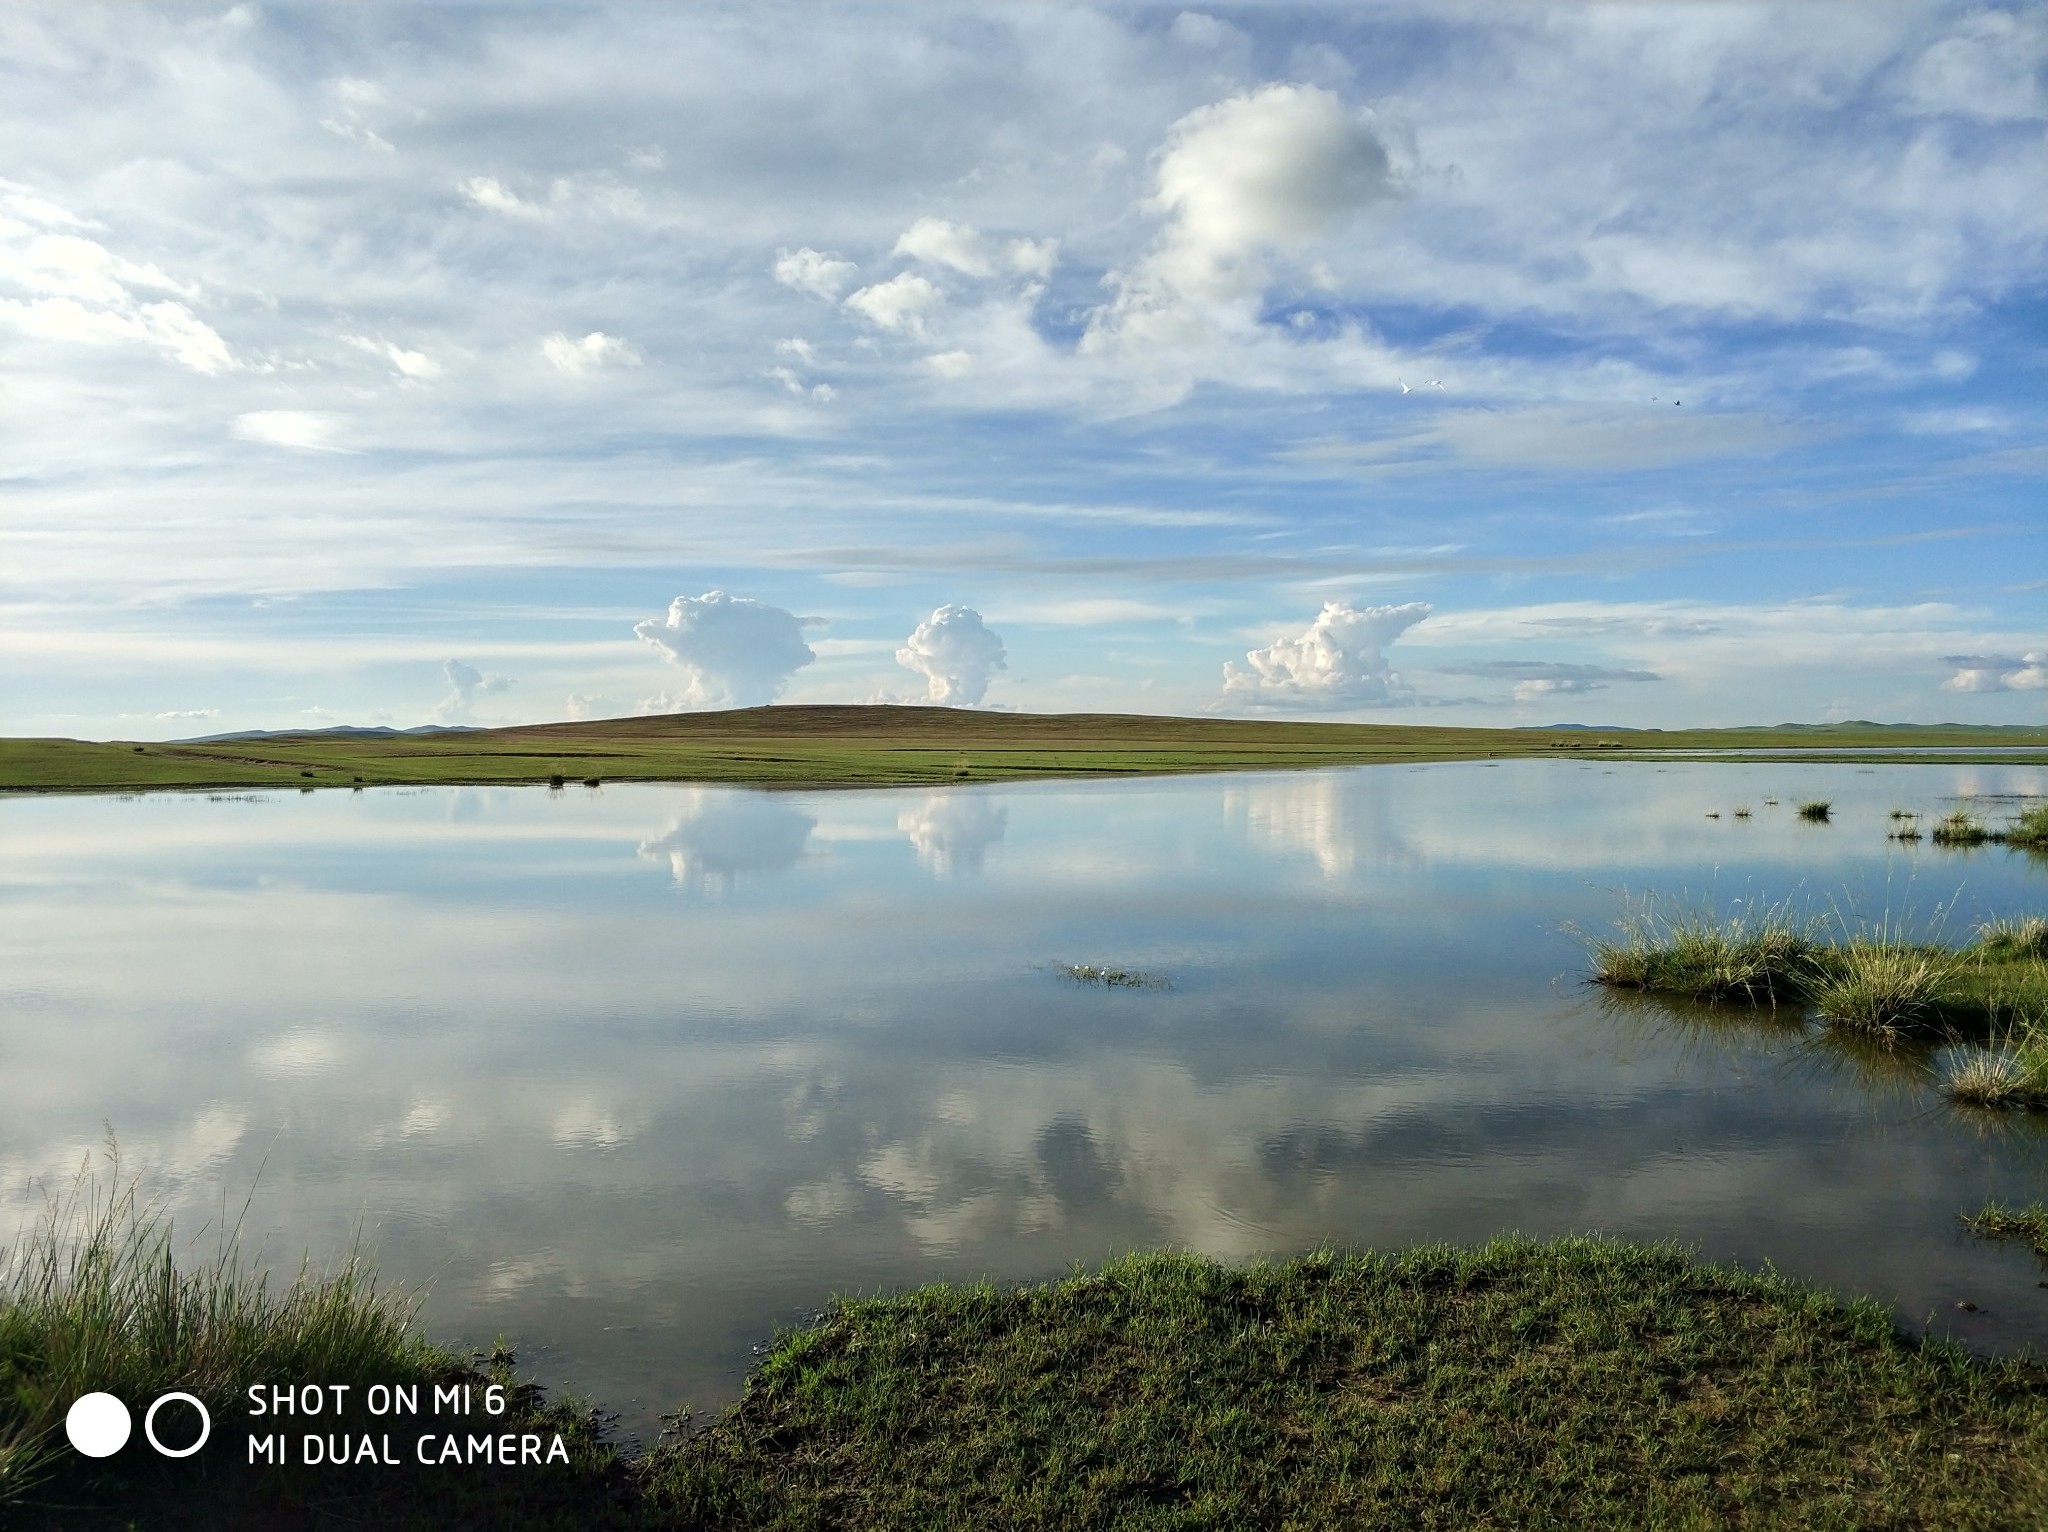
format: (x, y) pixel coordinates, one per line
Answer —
(1997, 1222)
(1112, 978)
(2003, 940)
(1757, 956)
(1884, 987)
(1815, 810)
(2030, 830)
(1959, 829)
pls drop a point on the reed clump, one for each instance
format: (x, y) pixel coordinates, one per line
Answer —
(1113, 978)
(1758, 955)
(1816, 810)
(2030, 830)
(1995, 1221)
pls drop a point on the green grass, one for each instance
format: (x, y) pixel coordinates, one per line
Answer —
(97, 1299)
(2030, 829)
(824, 746)
(1815, 810)
(1959, 828)
(1993, 991)
(1758, 956)
(2029, 1224)
(1582, 1384)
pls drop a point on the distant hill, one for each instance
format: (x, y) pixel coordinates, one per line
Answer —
(337, 731)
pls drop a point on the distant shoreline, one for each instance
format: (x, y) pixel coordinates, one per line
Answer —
(803, 746)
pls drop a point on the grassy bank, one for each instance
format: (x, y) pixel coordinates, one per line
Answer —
(807, 746)
(1580, 1383)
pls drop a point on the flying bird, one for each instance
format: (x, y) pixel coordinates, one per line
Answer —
(1437, 384)
(1404, 386)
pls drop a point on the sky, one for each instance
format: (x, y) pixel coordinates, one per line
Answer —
(1629, 364)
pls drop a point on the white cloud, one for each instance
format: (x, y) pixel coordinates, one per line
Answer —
(951, 364)
(814, 272)
(940, 243)
(1989, 67)
(493, 195)
(899, 303)
(415, 365)
(72, 289)
(1336, 662)
(581, 706)
(1997, 672)
(955, 654)
(734, 651)
(1267, 172)
(465, 684)
(1534, 679)
(595, 350)
(304, 430)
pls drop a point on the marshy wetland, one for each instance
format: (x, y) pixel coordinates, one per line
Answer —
(632, 1075)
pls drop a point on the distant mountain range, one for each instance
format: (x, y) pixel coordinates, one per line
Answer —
(338, 731)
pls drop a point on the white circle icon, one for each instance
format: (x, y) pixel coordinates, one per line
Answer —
(149, 1426)
(98, 1425)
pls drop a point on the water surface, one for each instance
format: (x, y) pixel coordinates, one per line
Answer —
(633, 1075)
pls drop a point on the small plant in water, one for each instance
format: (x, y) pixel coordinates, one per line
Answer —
(1996, 1222)
(1113, 978)
(2030, 830)
(1815, 810)
(1742, 811)
(1758, 955)
(2003, 940)
(1884, 987)
(1959, 829)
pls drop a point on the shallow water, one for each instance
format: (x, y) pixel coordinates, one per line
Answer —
(633, 1075)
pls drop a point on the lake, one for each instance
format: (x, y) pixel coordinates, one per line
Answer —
(633, 1075)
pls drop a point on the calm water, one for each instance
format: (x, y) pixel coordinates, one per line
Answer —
(633, 1075)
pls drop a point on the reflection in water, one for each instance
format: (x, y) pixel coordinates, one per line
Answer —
(721, 834)
(953, 831)
(635, 1132)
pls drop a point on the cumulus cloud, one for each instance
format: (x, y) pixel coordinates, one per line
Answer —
(465, 684)
(1264, 172)
(814, 272)
(581, 706)
(65, 287)
(938, 242)
(899, 303)
(597, 349)
(1997, 672)
(1535, 679)
(734, 651)
(302, 430)
(1336, 662)
(955, 654)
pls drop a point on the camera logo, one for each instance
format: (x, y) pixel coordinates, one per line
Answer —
(99, 1425)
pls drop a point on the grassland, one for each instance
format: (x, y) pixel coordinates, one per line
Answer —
(806, 746)
(1579, 1383)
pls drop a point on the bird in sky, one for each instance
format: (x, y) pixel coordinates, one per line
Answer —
(1437, 384)
(1404, 386)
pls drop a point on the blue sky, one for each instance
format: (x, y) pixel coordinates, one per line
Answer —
(1649, 364)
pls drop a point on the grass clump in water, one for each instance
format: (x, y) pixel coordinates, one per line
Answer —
(1816, 810)
(2030, 829)
(2006, 940)
(1997, 1222)
(1113, 978)
(1581, 1383)
(1960, 829)
(1755, 956)
(1884, 987)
